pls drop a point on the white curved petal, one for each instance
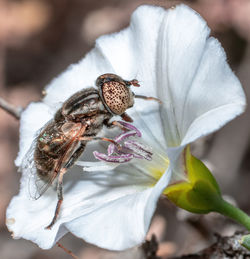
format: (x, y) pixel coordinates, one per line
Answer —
(200, 91)
(216, 95)
(148, 121)
(122, 223)
(76, 78)
(133, 51)
(109, 209)
(176, 157)
(183, 37)
(34, 117)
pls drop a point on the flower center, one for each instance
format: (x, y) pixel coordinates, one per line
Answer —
(128, 149)
(124, 149)
(139, 163)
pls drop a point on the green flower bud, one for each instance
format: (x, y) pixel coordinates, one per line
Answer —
(200, 193)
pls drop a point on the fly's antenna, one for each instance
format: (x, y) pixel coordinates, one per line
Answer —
(135, 83)
(148, 98)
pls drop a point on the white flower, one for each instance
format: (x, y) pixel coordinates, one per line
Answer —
(173, 57)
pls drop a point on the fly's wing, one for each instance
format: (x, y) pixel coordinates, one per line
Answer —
(34, 185)
(37, 186)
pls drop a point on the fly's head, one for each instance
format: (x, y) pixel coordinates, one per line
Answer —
(115, 93)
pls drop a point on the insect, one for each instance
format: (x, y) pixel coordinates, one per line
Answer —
(79, 120)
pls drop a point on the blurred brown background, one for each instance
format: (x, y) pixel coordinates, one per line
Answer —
(40, 38)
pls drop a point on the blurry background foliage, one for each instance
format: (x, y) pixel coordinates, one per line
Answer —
(40, 38)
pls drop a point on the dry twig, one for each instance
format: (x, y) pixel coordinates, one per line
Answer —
(224, 247)
(11, 109)
(67, 251)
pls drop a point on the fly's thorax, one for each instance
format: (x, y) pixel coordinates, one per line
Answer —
(115, 93)
(82, 104)
(59, 116)
(95, 123)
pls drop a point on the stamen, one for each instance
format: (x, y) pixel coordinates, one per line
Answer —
(122, 150)
(113, 159)
(131, 143)
(122, 153)
(125, 135)
(139, 149)
(111, 149)
(133, 131)
(130, 127)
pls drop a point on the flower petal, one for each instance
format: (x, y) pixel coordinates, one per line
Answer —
(110, 200)
(124, 222)
(150, 124)
(216, 91)
(200, 91)
(133, 51)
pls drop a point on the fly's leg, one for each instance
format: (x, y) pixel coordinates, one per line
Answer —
(124, 126)
(126, 117)
(113, 124)
(148, 98)
(101, 138)
(71, 161)
(75, 156)
(59, 195)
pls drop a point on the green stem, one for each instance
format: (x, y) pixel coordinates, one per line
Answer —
(234, 213)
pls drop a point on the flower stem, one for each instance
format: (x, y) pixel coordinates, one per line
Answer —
(234, 213)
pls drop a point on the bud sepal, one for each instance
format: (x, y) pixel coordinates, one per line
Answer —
(200, 192)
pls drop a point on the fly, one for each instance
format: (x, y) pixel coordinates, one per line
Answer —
(62, 140)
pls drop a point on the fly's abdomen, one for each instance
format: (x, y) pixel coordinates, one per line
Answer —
(51, 146)
(45, 164)
(56, 145)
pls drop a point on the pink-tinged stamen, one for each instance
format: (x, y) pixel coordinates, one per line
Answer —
(138, 145)
(123, 151)
(125, 135)
(114, 159)
(130, 127)
(139, 149)
(120, 151)
(111, 149)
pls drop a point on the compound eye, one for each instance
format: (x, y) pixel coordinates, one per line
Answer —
(116, 97)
